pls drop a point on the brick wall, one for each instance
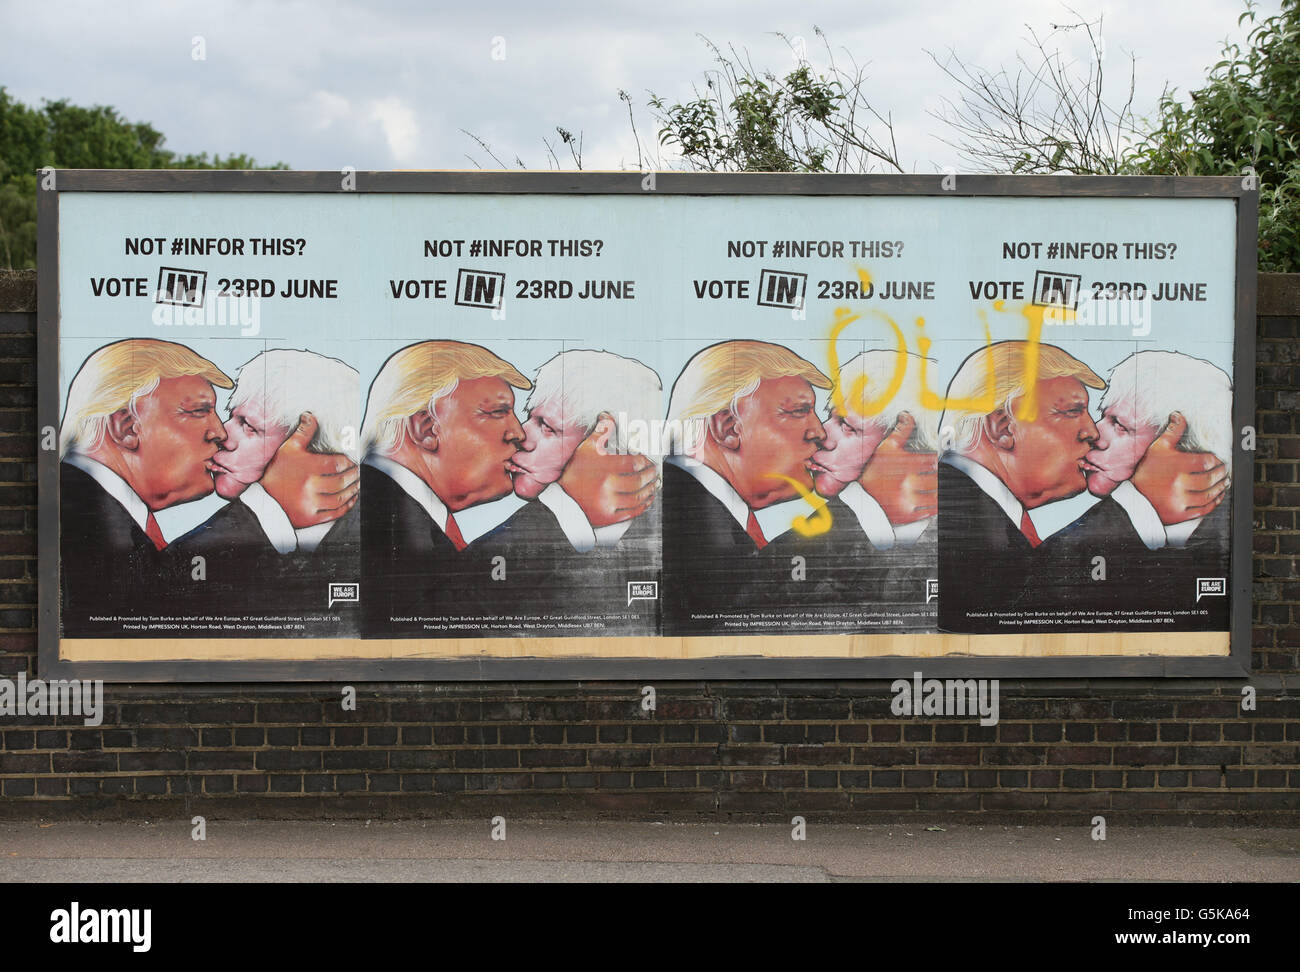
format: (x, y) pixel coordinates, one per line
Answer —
(1137, 750)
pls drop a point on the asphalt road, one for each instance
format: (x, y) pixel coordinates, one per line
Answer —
(415, 851)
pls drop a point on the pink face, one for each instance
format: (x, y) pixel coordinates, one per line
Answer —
(548, 446)
(1122, 441)
(249, 446)
(179, 432)
(1048, 458)
(850, 443)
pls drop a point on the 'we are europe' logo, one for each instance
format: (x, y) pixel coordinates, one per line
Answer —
(642, 591)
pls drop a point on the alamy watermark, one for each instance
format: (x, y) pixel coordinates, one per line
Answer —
(946, 697)
(243, 312)
(1128, 309)
(78, 925)
(59, 696)
(660, 437)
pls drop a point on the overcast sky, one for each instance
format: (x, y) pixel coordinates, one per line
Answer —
(391, 85)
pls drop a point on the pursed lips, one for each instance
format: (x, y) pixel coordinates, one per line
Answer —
(816, 468)
(1089, 464)
(217, 469)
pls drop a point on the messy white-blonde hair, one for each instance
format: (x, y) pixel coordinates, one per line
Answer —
(289, 382)
(878, 367)
(1159, 383)
(583, 384)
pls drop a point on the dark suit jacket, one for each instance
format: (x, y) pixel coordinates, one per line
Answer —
(986, 564)
(713, 568)
(108, 566)
(411, 571)
(889, 584)
(1140, 579)
(245, 575)
(547, 576)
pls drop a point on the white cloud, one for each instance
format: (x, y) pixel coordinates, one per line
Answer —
(324, 108)
(393, 82)
(400, 127)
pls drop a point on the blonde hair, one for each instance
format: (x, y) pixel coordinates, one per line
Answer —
(117, 376)
(993, 379)
(720, 376)
(413, 380)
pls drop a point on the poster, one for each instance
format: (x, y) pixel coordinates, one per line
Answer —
(398, 420)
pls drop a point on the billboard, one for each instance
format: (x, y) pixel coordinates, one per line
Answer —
(427, 425)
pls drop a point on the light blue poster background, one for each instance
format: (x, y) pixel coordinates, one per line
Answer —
(663, 245)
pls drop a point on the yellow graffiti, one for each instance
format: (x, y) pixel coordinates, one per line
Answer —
(819, 520)
(984, 403)
(1027, 408)
(857, 401)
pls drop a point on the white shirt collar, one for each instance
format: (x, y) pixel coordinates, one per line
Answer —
(871, 517)
(1146, 521)
(582, 536)
(414, 487)
(114, 485)
(309, 538)
(1141, 514)
(275, 523)
(1177, 534)
(992, 487)
(875, 522)
(909, 534)
(473, 521)
(773, 520)
(271, 517)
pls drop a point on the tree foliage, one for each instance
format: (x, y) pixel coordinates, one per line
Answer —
(1246, 119)
(1046, 113)
(747, 120)
(68, 136)
(1050, 116)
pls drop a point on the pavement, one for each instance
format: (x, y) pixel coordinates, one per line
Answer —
(561, 851)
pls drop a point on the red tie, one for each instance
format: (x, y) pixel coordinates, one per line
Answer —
(153, 533)
(1027, 528)
(453, 533)
(755, 531)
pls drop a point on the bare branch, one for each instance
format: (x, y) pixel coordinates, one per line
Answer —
(1051, 115)
(486, 148)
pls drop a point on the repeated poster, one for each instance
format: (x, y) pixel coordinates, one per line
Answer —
(433, 416)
